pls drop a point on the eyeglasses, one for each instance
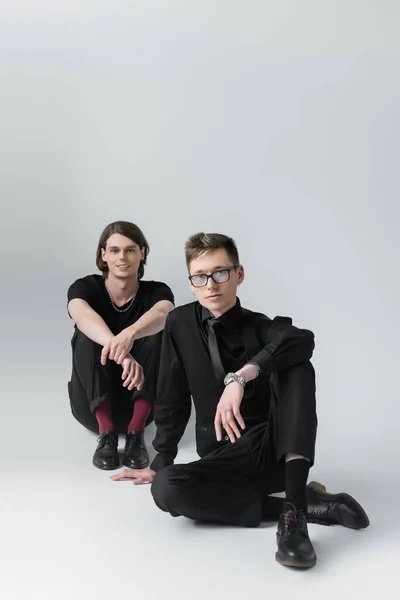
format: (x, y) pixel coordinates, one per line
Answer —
(221, 276)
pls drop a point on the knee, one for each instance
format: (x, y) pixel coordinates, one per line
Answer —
(300, 376)
(82, 344)
(148, 348)
(153, 341)
(302, 369)
(88, 352)
(166, 488)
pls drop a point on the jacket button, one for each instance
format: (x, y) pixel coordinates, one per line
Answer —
(226, 438)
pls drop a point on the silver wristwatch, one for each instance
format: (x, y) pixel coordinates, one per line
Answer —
(234, 377)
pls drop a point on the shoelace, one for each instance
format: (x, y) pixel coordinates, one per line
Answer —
(107, 439)
(134, 440)
(318, 517)
(294, 518)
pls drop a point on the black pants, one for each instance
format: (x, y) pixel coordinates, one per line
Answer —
(232, 484)
(92, 383)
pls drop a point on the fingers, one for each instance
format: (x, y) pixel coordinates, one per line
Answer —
(144, 476)
(138, 476)
(229, 426)
(130, 381)
(141, 480)
(120, 354)
(130, 370)
(104, 353)
(113, 351)
(133, 378)
(229, 419)
(125, 474)
(139, 381)
(126, 370)
(138, 378)
(217, 425)
(133, 375)
(118, 358)
(239, 418)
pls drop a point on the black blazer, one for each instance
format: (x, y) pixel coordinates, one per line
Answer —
(186, 372)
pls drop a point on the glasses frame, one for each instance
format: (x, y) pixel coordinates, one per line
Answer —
(228, 269)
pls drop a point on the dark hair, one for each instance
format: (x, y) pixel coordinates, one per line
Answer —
(201, 243)
(129, 230)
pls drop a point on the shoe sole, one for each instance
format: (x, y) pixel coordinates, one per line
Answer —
(293, 563)
(320, 488)
(286, 562)
(116, 466)
(128, 466)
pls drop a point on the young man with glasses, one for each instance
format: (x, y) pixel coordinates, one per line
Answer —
(253, 389)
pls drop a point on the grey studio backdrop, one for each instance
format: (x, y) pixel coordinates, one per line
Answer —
(274, 122)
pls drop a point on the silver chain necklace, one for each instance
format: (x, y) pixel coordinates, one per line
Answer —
(116, 307)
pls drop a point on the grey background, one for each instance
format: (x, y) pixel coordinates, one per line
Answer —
(274, 122)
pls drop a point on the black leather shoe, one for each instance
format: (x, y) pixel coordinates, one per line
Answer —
(334, 509)
(294, 546)
(135, 455)
(106, 455)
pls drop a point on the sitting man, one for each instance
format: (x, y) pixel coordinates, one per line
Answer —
(116, 345)
(253, 388)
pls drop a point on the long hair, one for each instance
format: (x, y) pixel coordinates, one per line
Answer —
(129, 230)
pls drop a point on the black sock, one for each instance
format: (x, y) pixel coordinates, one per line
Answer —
(296, 481)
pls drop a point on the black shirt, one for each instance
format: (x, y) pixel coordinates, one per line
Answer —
(186, 370)
(92, 289)
(229, 336)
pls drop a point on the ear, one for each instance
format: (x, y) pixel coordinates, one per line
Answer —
(142, 253)
(240, 273)
(103, 253)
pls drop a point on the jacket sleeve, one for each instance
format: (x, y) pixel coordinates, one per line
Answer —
(173, 405)
(286, 345)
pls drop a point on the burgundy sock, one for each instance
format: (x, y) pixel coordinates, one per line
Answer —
(104, 418)
(141, 411)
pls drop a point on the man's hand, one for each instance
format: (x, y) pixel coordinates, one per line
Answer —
(228, 412)
(139, 476)
(132, 373)
(119, 347)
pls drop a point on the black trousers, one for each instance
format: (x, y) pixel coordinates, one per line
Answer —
(232, 484)
(92, 383)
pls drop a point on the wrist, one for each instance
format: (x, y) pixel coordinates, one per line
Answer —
(232, 378)
(131, 331)
(249, 372)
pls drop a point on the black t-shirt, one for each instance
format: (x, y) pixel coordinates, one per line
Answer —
(92, 289)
